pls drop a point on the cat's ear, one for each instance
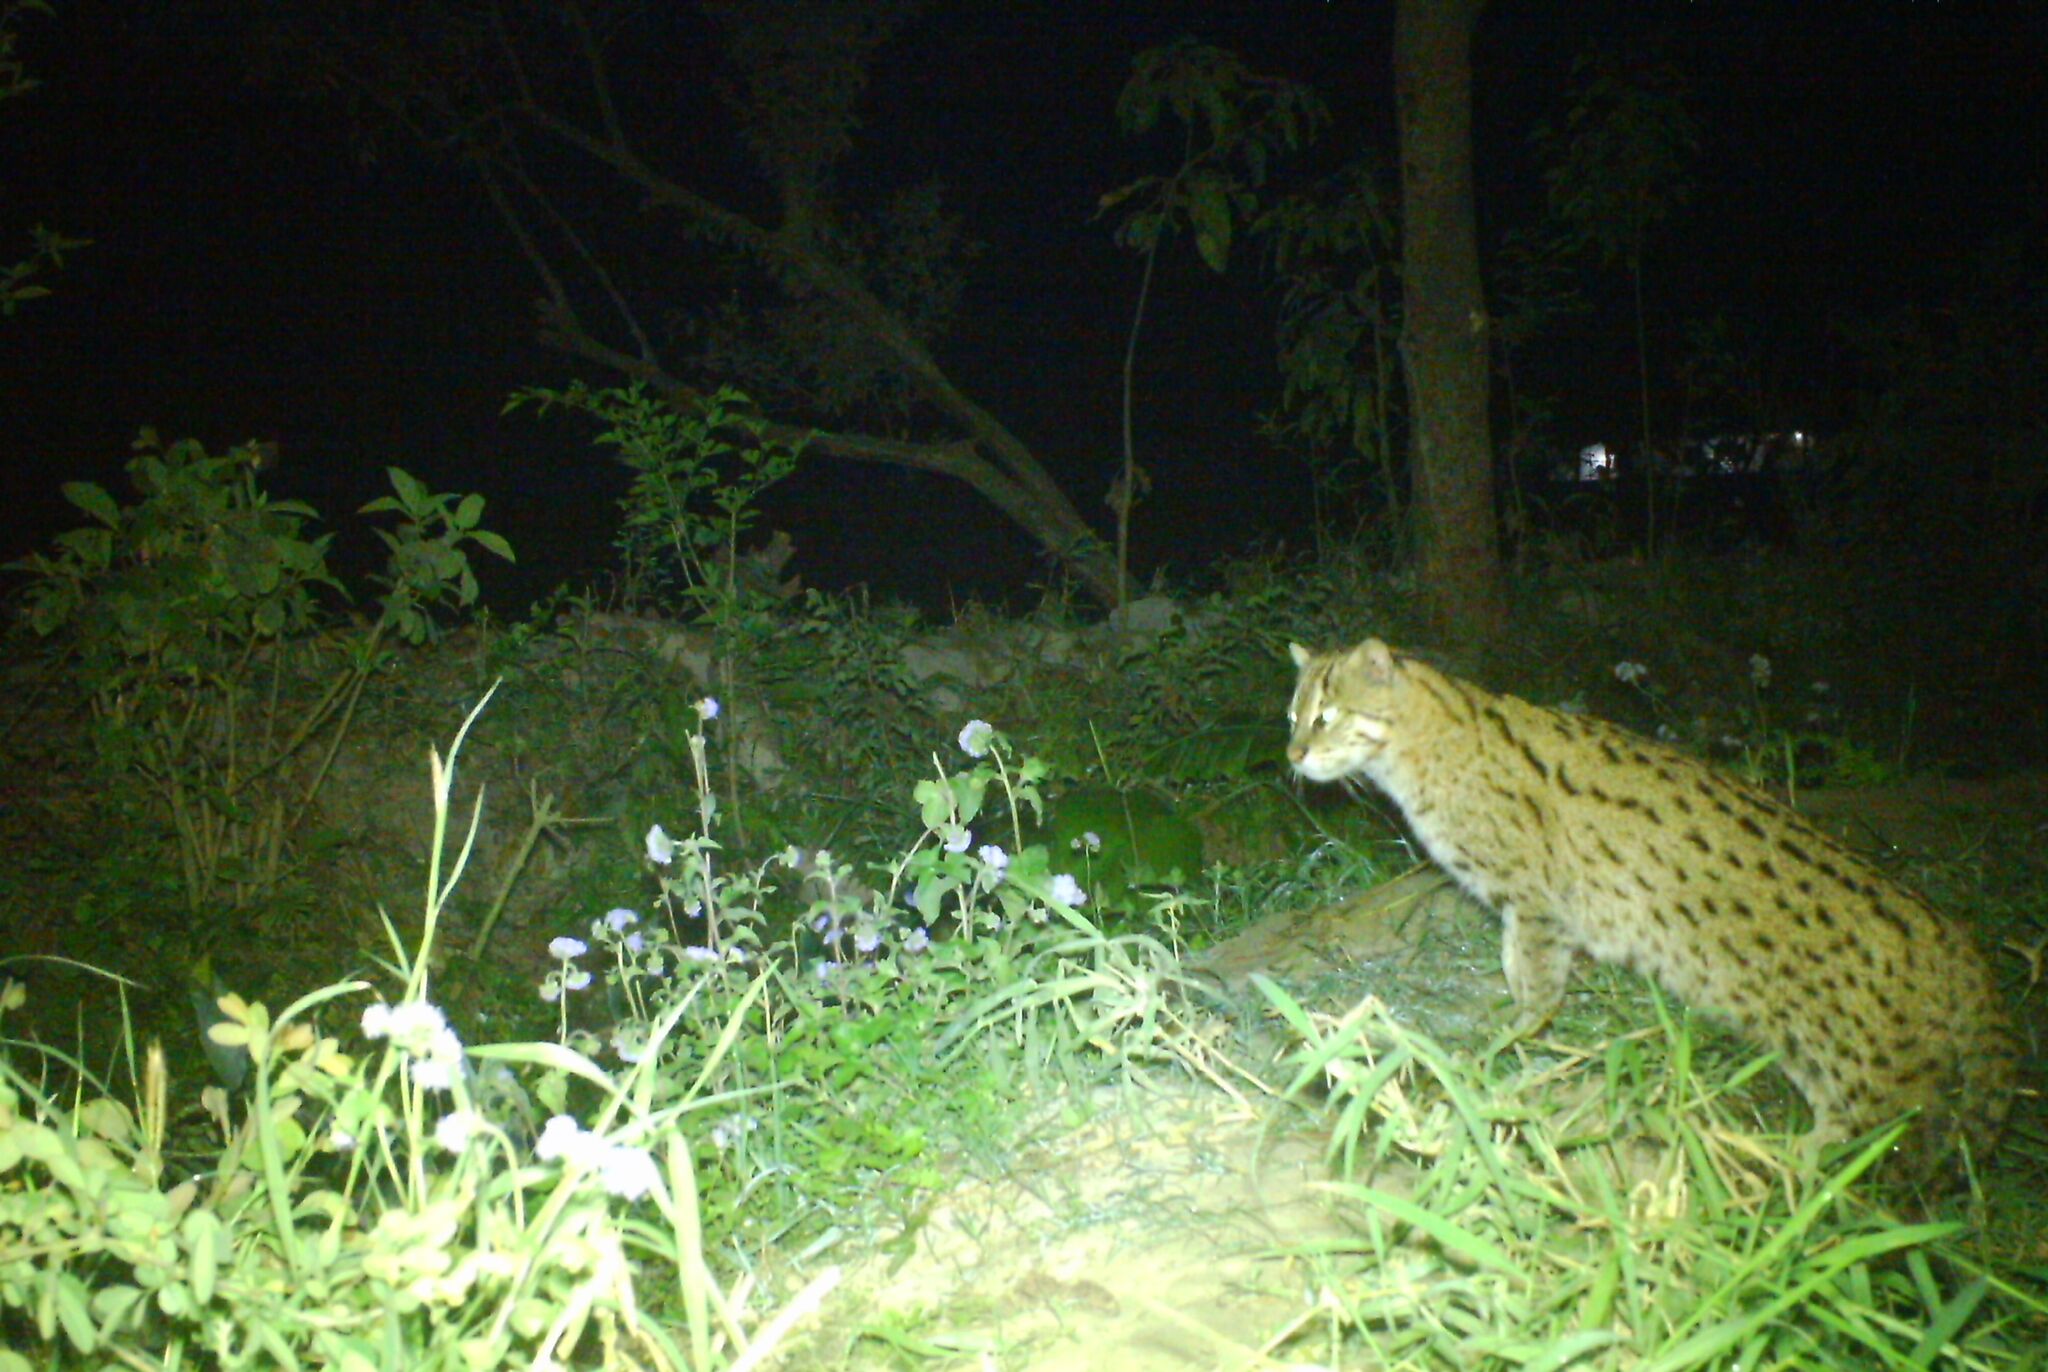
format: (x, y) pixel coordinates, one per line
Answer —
(1302, 656)
(1374, 660)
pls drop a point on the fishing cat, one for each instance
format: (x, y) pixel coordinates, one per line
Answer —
(1584, 836)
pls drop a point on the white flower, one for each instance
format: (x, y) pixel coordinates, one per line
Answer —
(920, 939)
(707, 708)
(957, 841)
(411, 1024)
(975, 737)
(661, 849)
(433, 1076)
(1759, 671)
(1090, 840)
(1067, 891)
(562, 1138)
(1630, 673)
(993, 856)
(457, 1128)
(616, 920)
(441, 1063)
(564, 948)
(629, 1173)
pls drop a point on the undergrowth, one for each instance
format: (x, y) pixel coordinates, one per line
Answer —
(806, 933)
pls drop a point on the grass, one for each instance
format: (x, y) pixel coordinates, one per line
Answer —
(1621, 1193)
(1536, 1217)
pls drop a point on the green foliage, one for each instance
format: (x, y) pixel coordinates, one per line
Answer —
(1337, 254)
(1617, 167)
(1123, 839)
(697, 476)
(1230, 749)
(1235, 121)
(428, 567)
(774, 1051)
(1759, 744)
(841, 981)
(194, 619)
(18, 279)
(1506, 1213)
(349, 1222)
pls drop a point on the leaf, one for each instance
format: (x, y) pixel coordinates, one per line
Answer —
(1209, 209)
(934, 803)
(469, 511)
(202, 1230)
(73, 1303)
(411, 491)
(494, 543)
(94, 501)
(1478, 1251)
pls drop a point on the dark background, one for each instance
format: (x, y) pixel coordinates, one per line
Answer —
(252, 276)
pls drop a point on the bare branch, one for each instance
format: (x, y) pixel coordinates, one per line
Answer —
(600, 83)
(598, 272)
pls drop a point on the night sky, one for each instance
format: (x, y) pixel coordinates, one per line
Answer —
(252, 277)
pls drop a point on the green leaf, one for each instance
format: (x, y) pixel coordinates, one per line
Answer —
(411, 492)
(94, 501)
(469, 511)
(933, 803)
(205, 1239)
(1209, 210)
(494, 543)
(113, 1305)
(73, 1302)
(1474, 1249)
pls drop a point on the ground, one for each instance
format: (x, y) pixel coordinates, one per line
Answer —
(1175, 1227)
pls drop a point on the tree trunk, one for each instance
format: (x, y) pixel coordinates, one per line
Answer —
(1444, 330)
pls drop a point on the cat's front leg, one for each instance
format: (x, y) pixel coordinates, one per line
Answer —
(1537, 959)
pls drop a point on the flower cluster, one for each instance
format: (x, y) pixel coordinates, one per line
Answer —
(625, 1171)
(433, 1051)
(568, 976)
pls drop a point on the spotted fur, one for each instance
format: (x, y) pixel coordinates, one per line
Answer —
(1585, 837)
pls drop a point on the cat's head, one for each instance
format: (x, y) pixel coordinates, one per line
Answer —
(1343, 710)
